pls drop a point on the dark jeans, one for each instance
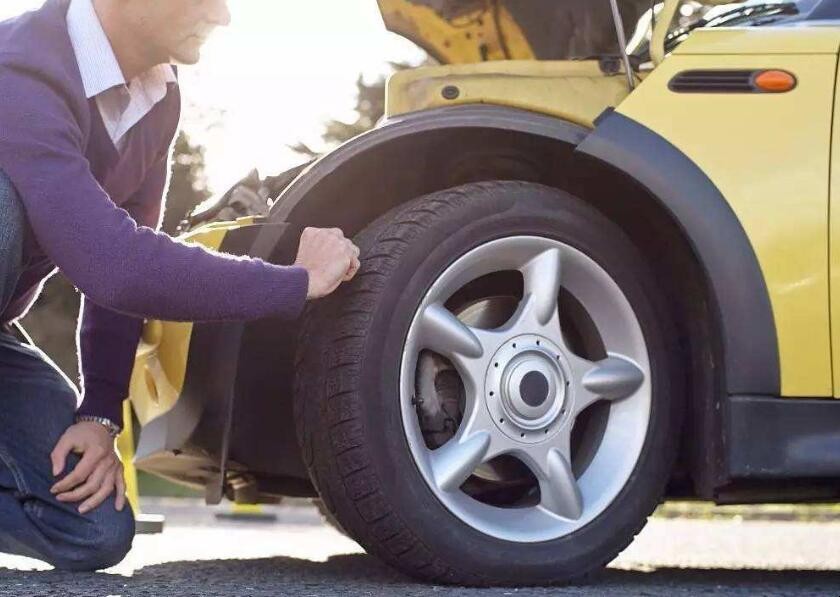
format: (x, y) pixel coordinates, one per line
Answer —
(37, 404)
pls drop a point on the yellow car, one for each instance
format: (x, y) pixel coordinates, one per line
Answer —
(592, 279)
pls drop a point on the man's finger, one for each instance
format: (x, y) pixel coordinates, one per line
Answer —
(89, 487)
(82, 471)
(119, 502)
(59, 455)
(352, 270)
(349, 249)
(335, 232)
(99, 497)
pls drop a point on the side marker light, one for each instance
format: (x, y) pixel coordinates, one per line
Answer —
(774, 81)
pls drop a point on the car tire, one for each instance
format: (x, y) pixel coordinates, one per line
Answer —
(350, 417)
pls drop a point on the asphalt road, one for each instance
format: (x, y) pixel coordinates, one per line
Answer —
(297, 555)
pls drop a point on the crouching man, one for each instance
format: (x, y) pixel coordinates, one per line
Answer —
(89, 105)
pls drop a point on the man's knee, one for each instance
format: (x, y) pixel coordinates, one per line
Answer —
(115, 536)
(101, 543)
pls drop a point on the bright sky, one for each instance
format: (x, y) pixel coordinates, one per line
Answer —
(274, 76)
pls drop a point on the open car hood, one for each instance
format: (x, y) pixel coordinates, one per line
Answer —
(459, 31)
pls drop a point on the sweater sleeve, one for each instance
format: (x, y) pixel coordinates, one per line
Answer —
(107, 340)
(117, 264)
(107, 344)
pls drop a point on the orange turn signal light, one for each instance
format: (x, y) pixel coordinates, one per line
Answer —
(774, 81)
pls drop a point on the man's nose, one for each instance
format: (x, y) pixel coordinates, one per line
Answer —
(219, 13)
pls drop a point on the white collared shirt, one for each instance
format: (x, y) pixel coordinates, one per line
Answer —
(121, 104)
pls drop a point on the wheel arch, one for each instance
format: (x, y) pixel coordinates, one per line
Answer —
(421, 153)
(669, 207)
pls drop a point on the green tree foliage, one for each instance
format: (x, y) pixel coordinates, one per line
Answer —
(187, 184)
(52, 320)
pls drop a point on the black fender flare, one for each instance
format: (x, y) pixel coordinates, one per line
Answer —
(751, 352)
(735, 279)
(412, 128)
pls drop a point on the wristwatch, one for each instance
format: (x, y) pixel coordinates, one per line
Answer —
(113, 429)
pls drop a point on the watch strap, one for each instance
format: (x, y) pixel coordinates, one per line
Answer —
(113, 429)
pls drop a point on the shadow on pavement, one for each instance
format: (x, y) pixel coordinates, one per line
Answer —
(364, 575)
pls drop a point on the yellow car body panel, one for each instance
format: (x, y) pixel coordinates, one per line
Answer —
(574, 90)
(759, 40)
(470, 31)
(768, 156)
(455, 41)
(834, 240)
(160, 364)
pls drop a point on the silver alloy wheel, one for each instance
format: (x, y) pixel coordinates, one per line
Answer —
(524, 389)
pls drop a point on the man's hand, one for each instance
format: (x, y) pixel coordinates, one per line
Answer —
(329, 257)
(98, 472)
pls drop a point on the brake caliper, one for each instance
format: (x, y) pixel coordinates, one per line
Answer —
(439, 399)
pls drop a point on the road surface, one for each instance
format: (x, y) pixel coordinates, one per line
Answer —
(297, 554)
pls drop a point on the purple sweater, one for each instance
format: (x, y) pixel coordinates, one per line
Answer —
(93, 212)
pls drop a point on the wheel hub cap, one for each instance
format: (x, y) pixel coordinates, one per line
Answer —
(527, 388)
(534, 389)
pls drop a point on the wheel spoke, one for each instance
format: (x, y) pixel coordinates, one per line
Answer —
(613, 378)
(444, 333)
(542, 284)
(559, 490)
(456, 460)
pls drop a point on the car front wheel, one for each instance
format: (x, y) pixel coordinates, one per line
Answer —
(490, 401)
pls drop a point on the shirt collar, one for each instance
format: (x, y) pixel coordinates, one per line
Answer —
(97, 62)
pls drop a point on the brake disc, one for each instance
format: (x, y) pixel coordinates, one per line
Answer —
(439, 397)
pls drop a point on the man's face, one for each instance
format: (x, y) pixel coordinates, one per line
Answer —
(175, 30)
